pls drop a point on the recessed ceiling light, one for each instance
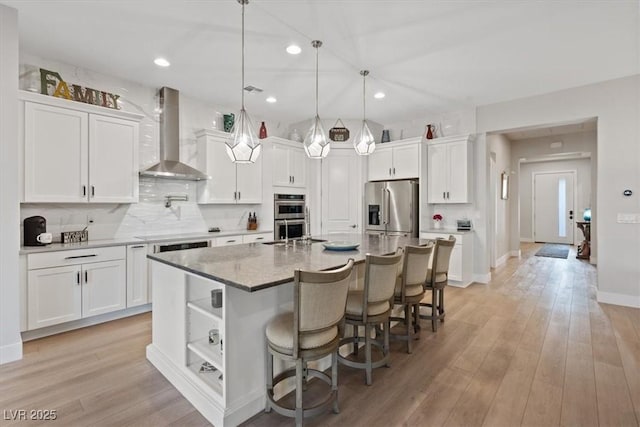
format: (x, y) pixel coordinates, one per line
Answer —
(293, 49)
(161, 62)
(271, 99)
(379, 95)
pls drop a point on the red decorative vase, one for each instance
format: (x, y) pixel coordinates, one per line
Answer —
(430, 129)
(263, 131)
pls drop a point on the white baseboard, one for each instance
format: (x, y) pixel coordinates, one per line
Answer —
(10, 352)
(526, 239)
(502, 260)
(482, 278)
(83, 323)
(593, 260)
(517, 254)
(619, 299)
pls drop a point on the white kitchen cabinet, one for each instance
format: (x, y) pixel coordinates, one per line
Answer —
(461, 261)
(449, 170)
(137, 276)
(70, 285)
(78, 153)
(228, 240)
(54, 296)
(230, 183)
(113, 160)
(104, 288)
(342, 184)
(289, 163)
(395, 160)
(257, 237)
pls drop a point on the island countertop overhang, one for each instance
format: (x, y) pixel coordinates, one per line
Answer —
(254, 266)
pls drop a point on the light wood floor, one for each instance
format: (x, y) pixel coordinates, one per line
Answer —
(531, 348)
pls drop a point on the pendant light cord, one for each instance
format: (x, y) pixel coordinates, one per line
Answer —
(364, 104)
(317, 80)
(242, 56)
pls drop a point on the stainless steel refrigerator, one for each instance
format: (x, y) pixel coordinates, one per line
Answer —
(391, 207)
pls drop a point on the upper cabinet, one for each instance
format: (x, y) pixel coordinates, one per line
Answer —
(76, 154)
(450, 164)
(289, 163)
(230, 183)
(395, 160)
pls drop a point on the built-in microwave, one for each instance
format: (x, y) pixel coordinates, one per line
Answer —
(288, 206)
(288, 228)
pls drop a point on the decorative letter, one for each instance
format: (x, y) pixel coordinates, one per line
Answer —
(45, 82)
(62, 90)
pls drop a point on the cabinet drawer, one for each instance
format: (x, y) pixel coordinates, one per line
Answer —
(228, 240)
(76, 256)
(262, 237)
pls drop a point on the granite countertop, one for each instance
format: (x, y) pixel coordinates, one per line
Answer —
(256, 266)
(25, 250)
(446, 231)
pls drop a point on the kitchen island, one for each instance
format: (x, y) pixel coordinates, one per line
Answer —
(216, 356)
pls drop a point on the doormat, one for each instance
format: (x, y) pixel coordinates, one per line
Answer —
(551, 250)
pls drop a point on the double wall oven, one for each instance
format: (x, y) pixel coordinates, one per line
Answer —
(288, 215)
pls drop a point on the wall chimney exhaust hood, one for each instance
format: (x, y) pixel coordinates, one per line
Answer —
(170, 166)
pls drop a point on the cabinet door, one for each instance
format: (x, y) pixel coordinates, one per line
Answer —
(437, 173)
(54, 296)
(341, 192)
(298, 167)
(113, 160)
(381, 164)
(55, 157)
(280, 165)
(249, 182)
(104, 287)
(455, 263)
(221, 188)
(137, 276)
(406, 162)
(458, 173)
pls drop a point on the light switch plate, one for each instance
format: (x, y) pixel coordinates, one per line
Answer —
(628, 218)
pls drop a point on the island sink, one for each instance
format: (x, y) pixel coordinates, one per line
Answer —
(291, 242)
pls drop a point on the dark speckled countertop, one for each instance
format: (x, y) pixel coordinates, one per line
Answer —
(256, 266)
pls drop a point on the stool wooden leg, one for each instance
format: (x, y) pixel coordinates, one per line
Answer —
(355, 339)
(334, 380)
(441, 305)
(269, 377)
(385, 351)
(407, 318)
(416, 319)
(434, 309)
(305, 376)
(367, 352)
(299, 409)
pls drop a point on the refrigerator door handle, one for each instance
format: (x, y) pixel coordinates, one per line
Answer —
(388, 207)
(383, 207)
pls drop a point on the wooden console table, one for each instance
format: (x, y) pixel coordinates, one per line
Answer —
(584, 250)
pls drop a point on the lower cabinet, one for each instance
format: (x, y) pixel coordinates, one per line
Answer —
(238, 239)
(461, 262)
(70, 285)
(137, 276)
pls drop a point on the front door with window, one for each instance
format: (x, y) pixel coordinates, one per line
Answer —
(553, 207)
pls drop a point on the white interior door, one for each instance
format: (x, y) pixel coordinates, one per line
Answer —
(341, 192)
(553, 208)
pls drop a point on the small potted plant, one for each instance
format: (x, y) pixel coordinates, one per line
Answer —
(437, 221)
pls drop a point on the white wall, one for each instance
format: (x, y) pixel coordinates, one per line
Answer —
(352, 124)
(616, 104)
(451, 123)
(10, 341)
(582, 191)
(499, 209)
(149, 216)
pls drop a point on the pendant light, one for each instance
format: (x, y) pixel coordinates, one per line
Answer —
(364, 143)
(244, 146)
(316, 144)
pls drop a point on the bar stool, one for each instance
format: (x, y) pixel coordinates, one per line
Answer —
(410, 289)
(310, 332)
(371, 307)
(437, 279)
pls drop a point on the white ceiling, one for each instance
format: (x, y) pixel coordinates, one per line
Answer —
(429, 57)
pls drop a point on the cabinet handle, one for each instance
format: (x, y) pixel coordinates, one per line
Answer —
(389, 171)
(290, 179)
(353, 226)
(84, 190)
(239, 195)
(81, 256)
(447, 195)
(231, 241)
(86, 276)
(259, 238)
(78, 278)
(93, 191)
(137, 247)
(394, 171)
(293, 179)
(444, 195)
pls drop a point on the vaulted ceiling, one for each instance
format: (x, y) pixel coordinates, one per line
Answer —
(428, 57)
